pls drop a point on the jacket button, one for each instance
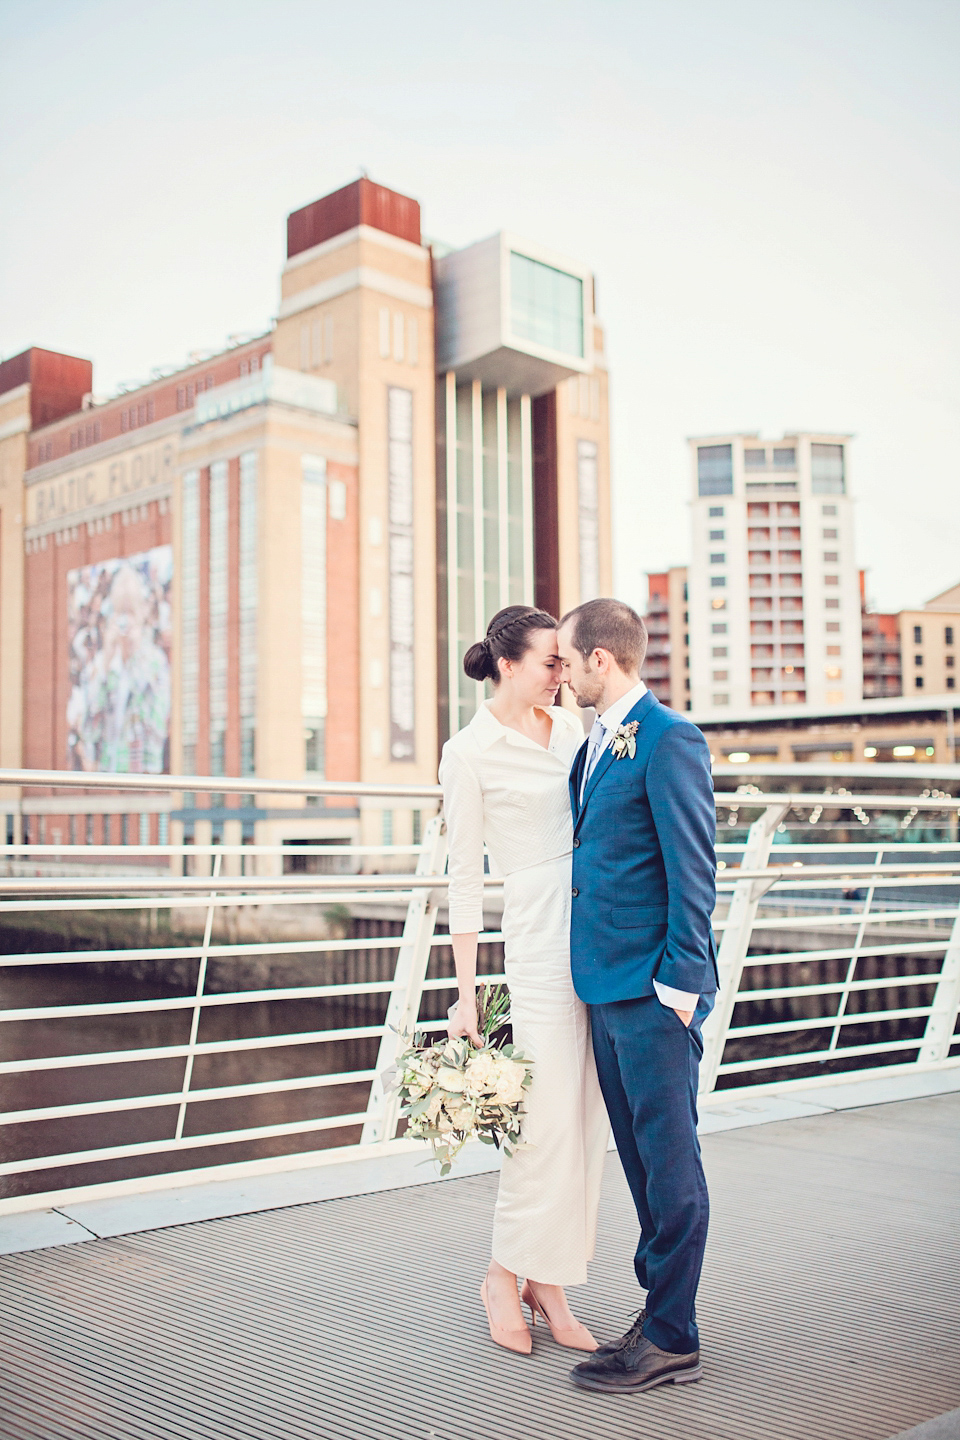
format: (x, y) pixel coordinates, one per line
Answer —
(576, 844)
(575, 891)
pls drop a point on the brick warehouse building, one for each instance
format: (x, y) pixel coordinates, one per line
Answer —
(271, 561)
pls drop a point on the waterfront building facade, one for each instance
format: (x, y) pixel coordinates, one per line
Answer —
(666, 667)
(773, 590)
(271, 561)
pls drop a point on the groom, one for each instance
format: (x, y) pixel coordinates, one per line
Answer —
(644, 960)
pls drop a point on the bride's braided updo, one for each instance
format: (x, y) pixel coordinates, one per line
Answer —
(508, 638)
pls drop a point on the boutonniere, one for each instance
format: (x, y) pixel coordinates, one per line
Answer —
(624, 740)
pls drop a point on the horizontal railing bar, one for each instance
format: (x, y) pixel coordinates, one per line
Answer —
(727, 800)
(175, 1052)
(254, 785)
(821, 922)
(827, 1022)
(793, 957)
(816, 1057)
(889, 847)
(209, 784)
(188, 1142)
(837, 987)
(219, 952)
(208, 1002)
(169, 886)
(343, 852)
(185, 902)
(153, 1102)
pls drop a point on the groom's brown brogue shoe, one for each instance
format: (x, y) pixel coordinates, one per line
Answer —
(639, 1365)
(610, 1347)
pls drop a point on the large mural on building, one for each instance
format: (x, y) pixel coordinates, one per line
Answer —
(118, 638)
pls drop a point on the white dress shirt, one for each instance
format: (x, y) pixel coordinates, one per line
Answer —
(612, 717)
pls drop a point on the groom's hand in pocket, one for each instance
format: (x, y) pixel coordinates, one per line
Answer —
(685, 1015)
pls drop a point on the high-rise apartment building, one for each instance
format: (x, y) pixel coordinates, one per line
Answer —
(271, 561)
(666, 668)
(773, 588)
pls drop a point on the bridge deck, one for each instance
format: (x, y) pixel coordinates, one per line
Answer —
(829, 1309)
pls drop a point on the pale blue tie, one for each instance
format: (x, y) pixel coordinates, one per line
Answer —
(594, 745)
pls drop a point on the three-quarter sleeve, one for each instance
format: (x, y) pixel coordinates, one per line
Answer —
(463, 812)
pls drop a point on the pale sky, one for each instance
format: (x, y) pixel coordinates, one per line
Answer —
(767, 191)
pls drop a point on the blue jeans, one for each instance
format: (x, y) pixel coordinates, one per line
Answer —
(648, 1063)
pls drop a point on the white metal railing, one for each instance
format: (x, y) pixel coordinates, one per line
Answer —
(870, 929)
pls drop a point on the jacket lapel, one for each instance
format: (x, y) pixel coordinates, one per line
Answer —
(639, 712)
(576, 771)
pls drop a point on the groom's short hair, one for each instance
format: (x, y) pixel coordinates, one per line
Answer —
(609, 625)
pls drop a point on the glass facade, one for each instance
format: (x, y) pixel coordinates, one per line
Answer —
(546, 305)
(313, 610)
(826, 469)
(589, 520)
(489, 524)
(400, 554)
(248, 612)
(189, 621)
(219, 530)
(715, 469)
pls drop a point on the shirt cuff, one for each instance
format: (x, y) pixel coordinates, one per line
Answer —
(675, 999)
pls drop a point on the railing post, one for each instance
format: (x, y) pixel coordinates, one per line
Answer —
(197, 1006)
(736, 941)
(412, 960)
(942, 1020)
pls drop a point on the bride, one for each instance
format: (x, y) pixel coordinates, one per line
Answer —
(505, 785)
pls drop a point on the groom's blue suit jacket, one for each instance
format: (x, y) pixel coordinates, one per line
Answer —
(644, 863)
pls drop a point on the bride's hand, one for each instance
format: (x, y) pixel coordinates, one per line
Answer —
(463, 1021)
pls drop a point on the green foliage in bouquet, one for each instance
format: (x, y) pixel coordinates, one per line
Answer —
(451, 1091)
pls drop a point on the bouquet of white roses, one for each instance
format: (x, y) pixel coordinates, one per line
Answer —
(452, 1091)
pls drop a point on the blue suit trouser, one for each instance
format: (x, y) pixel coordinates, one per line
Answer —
(648, 1063)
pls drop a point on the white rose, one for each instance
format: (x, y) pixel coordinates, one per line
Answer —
(482, 1073)
(433, 1109)
(510, 1083)
(451, 1080)
(463, 1117)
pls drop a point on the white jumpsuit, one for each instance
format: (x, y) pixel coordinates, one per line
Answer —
(504, 790)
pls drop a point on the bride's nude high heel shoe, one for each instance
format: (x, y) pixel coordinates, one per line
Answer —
(520, 1341)
(576, 1338)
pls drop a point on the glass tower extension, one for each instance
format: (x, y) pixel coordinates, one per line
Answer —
(489, 522)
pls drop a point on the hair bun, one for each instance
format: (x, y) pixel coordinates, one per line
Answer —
(478, 662)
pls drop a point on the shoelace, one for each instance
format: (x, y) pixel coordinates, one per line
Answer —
(635, 1333)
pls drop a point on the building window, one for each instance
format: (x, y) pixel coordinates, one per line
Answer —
(918, 634)
(831, 579)
(398, 337)
(219, 590)
(719, 602)
(831, 557)
(833, 627)
(834, 672)
(826, 469)
(715, 469)
(313, 610)
(951, 682)
(189, 620)
(715, 512)
(248, 612)
(754, 459)
(830, 534)
(721, 699)
(338, 499)
(413, 356)
(718, 535)
(950, 661)
(721, 675)
(720, 629)
(717, 581)
(828, 509)
(589, 520)
(719, 652)
(784, 458)
(831, 603)
(918, 682)
(718, 558)
(546, 305)
(384, 333)
(400, 542)
(918, 659)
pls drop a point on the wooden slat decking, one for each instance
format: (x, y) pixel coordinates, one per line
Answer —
(830, 1309)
